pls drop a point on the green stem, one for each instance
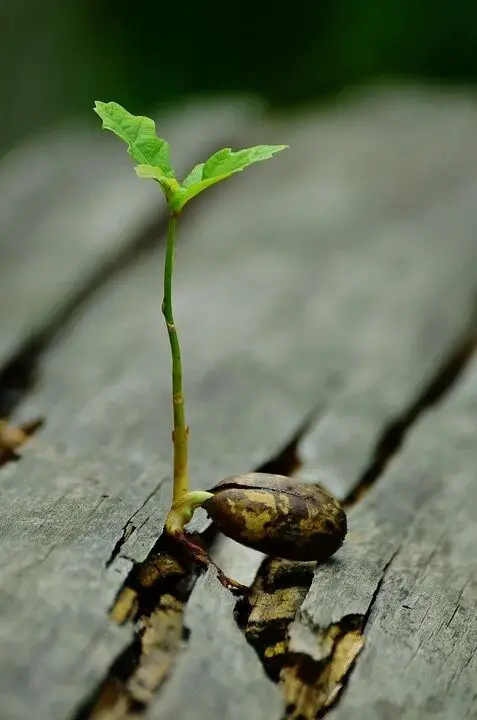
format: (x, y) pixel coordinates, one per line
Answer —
(183, 509)
(180, 433)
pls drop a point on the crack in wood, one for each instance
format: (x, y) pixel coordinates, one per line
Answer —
(152, 600)
(130, 528)
(20, 373)
(287, 460)
(311, 688)
(393, 436)
(313, 683)
(311, 665)
(312, 677)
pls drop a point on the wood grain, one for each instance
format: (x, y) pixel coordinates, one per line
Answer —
(336, 278)
(411, 567)
(391, 348)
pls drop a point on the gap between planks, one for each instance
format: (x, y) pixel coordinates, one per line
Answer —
(310, 685)
(268, 364)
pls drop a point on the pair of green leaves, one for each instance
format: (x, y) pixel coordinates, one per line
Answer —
(153, 156)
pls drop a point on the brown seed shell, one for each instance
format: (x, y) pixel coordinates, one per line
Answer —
(278, 516)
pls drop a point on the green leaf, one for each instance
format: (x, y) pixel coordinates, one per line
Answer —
(194, 176)
(227, 162)
(140, 135)
(220, 166)
(169, 185)
(153, 156)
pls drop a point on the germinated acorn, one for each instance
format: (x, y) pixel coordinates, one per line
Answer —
(278, 516)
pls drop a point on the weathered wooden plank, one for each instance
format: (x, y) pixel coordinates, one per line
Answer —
(228, 680)
(286, 317)
(384, 371)
(328, 272)
(69, 201)
(58, 525)
(45, 546)
(411, 565)
(316, 296)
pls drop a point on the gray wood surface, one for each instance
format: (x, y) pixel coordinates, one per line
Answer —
(225, 682)
(382, 351)
(412, 563)
(58, 528)
(337, 277)
(51, 542)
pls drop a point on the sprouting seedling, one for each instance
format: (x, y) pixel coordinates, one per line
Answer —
(232, 506)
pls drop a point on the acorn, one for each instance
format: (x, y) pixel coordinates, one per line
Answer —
(278, 516)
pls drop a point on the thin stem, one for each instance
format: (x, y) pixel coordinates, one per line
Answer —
(180, 432)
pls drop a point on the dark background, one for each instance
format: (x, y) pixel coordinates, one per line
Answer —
(57, 57)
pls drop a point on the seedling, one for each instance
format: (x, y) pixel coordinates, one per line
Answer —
(233, 512)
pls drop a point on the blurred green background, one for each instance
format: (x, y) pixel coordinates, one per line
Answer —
(58, 57)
